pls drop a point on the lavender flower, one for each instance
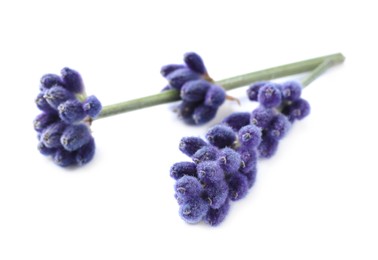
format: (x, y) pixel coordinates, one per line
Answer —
(63, 126)
(201, 97)
(270, 95)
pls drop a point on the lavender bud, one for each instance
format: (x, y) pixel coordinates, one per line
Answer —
(270, 95)
(297, 110)
(279, 127)
(194, 62)
(250, 135)
(194, 90)
(51, 135)
(188, 187)
(215, 216)
(229, 160)
(238, 186)
(215, 193)
(92, 106)
(167, 69)
(209, 172)
(75, 136)
(206, 153)
(50, 80)
(190, 145)
(186, 110)
(57, 95)
(71, 111)
(237, 120)
(248, 157)
(64, 158)
(72, 80)
(267, 147)
(44, 120)
(181, 169)
(253, 90)
(221, 136)
(85, 153)
(291, 90)
(42, 104)
(203, 114)
(262, 117)
(180, 76)
(193, 210)
(43, 149)
(215, 96)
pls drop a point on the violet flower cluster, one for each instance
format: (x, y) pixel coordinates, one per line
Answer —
(221, 172)
(63, 126)
(201, 98)
(224, 168)
(280, 105)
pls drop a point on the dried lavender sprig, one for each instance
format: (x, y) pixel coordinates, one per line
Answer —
(317, 66)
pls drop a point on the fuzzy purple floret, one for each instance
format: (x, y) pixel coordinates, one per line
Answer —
(193, 210)
(186, 110)
(268, 147)
(43, 105)
(262, 117)
(181, 169)
(195, 62)
(297, 110)
(238, 186)
(215, 96)
(206, 153)
(253, 90)
(179, 77)
(64, 158)
(43, 149)
(71, 111)
(229, 160)
(190, 145)
(215, 193)
(92, 106)
(216, 216)
(291, 90)
(279, 127)
(51, 135)
(50, 80)
(194, 90)
(209, 172)
(248, 157)
(237, 120)
(75, 136)
(203, 114)
(57, 95)
(221, 136)
(250, 135)
(85, 153)
(188, 187)
(167, 69)
(270, 95)
(72, 80)
(44, 120)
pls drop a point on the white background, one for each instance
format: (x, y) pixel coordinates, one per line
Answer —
(316, 199)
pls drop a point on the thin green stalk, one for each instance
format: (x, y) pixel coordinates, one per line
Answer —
(230, 83)
(322, 67)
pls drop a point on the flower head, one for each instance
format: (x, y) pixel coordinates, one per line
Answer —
(64, 125)
(201, 98)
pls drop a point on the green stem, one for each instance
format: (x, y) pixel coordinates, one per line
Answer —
(322, 67)
(230, 83)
